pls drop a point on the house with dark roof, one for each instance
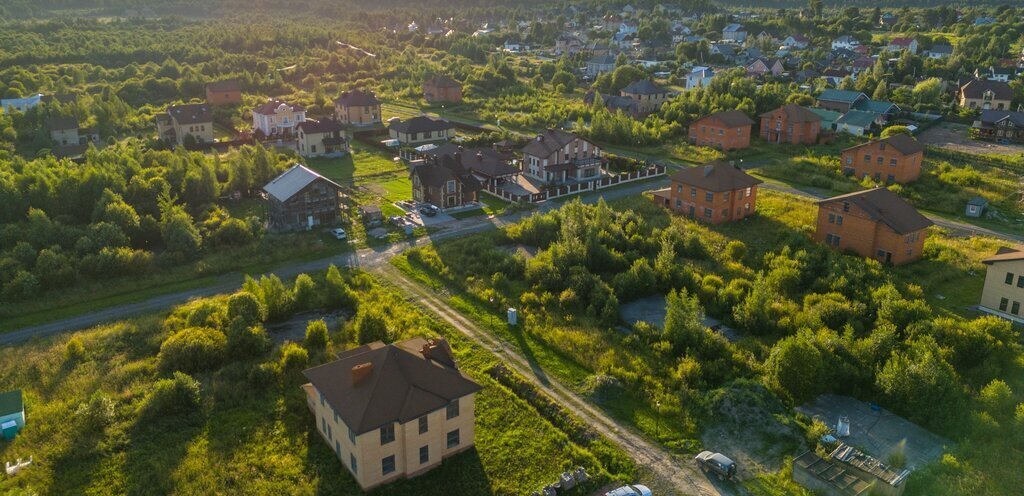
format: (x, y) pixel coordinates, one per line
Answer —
(1000, 125)
(797, 41)
(277, 118)
(63, 130)
(1003, 292)
(734, 32)
(557, 156)
(227, 92)
(791, 123)
(714, 193)
(599, 64)
(839, 100)
(489, 165)
(728, 130)
(762, 67)
(180, 122)
(874, 223)
(896, 159)
(442, 89)
(615, 103)
(12, 413)
(648, 96)
(301, 199)
(443, 181)
(855, 122)
(985, 94)
(393, 411)
(939, 51)
(724, 49)
(357, 108)
(317, 138)
(421, 129)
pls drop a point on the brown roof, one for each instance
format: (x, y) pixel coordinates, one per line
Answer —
(716, 176)
(438, 171)
(903, 143)
(976, 88)
(191, 113)
(443, 82)
(887, 207)
(795, 113)
(357, 98)
(729, 118)
(548, 142)
(223, 86)
(402, 383)
(1005, 254)
(484, 161)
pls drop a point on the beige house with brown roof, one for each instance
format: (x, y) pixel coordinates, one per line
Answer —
(1003, 293)
(393, 411)
(181, 121)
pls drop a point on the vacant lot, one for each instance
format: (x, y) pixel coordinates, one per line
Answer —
(954, 137)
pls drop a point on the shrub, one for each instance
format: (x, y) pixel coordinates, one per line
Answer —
(316, 336)
(304, 292)
(735, 250)
(293, 357)
(193, 349)
(74, 351)
(247, 340)
(179, 394)
(370, 327)
(246, 307)
(96, 413)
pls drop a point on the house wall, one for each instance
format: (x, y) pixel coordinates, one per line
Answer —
(278, 123)
(319, 200)
(983, 104)
(534, 166)
(841, 107)
(202, 131)
(863, 160)
(647, 103)
(724, 206)
(357, 115)
(712, 133)
(776, 129)
(18, 418)
(996, 289)
(223, 97)
(424, 137)
(861, 235)
(435, 94)
(65, 137)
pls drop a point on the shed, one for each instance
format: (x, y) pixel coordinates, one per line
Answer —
(371, 214)
(976, 206)
(12, 413)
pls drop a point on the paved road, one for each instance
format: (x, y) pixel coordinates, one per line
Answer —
(366, 257)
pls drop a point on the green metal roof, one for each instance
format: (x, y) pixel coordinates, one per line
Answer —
(10, 402)
(876, 106)
(857, 118)
(833, 95)
(828, 117)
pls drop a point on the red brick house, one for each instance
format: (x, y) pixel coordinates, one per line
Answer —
(875, 223)
(896, 159)
(729, 130)
(442, 89)
(791, 124)
(715, 193)
(444, 182)
(228, 92)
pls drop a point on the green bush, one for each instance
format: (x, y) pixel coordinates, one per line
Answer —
(246, 307)
(370, 326)
(74, 351)
(96, 413)
(247, 340)
(193, 349)
(304, 293)
(316, 336)
(179, 394)
(293, 357)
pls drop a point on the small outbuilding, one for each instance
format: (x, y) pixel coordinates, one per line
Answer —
(976, 207)
(12, 413)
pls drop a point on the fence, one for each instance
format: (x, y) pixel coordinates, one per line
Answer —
(576, 188)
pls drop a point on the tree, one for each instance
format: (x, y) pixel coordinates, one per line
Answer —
(304, 292)
(918, 383)
(293, 357)
(894, 130)
(247, 307)
(370, 326)
(796, 368)
(179, 233)
(881, 91)
(684, 321)
(193, 349)
(317, 338)
(997, 399)
(563, 81)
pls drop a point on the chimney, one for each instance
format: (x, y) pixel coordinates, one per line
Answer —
(361, 372)
(707, 170)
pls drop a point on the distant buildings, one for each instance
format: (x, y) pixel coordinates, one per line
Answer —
(875, 223)
(599, 64)
(1003, 293)
(392, 411)
(63, 130)
(277, 118)
(180, 122)
(699, 77)
(20, 104)
(791, 124)
(734, 32)
(442, 89)
(761, 67)
(728, 130)
(1000, 125)
(420, 130)
(714, 193)
(896, 159)
(556, 156)
(846, 42)
(839, 100)
(227, 92)
(983, 94)
(357, 108)
(900, 44)
(300, 199)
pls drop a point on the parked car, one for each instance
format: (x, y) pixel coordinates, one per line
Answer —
(339, 233)
(428, 210)
(634, 490)
(398, 220)
(718, 463)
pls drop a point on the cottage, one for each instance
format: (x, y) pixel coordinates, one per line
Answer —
(728, 130)
(184, 123)
(489, 165)
(724, 49)
(939, 51)
(796, 41)
(888, 19)
(875, 223)
(276, 118)
(1001, 125)
(615, 103)
(12, 413)
(734, 32)
(761, 67)
(63, 130)
(791, 124)
(599, 64)
(983, 94)
(839, 100)
(556, 156)
(1003, 293)
(976, 207)
(442, 89)
(896, 159)
(855, 122)
(393, 411)
(828, 117)
(647, 95)
(899, 44)
(420, 130)
(320, 138)
(846, 42)
(699, 77)
(357, 108)
(715, 193)
(300, 199)
(227, 92)
(443, 181)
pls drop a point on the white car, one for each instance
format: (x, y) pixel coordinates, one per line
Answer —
(634, 490)
(339, 233)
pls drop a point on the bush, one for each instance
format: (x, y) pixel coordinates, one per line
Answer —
(246, 307)
(96, 413)
(293, 357)
(316, 336)
(193, 349)
(74, 351)
(304, 293)
(247, 340)
(179, 394)
(370, 327)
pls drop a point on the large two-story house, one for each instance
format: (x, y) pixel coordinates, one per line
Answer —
(1003, 293)
(421, 129)
(874, 223)
(896, 159)
(182, 121)
(647, 95)
(443, 181)
(277, 118)
(728, 130)
(301, 199)
(1000, 125)
(319, 138)
(791, 123)
(556, 156)
(715, 193)
(985, 94)
(357, 108)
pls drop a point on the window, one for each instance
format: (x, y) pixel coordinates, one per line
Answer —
(424, 454)
(890, 178)
(387, 434)
(709, 196)
(867, 157)
(725, 213)
(451, 186)
(881, 253)
(881, 160)
(839, 220)
(323, 425)
(453, 438)
(693, 192)
(387, 465)
(846, 206)
(322, 394)
(708, 213)
(1015, 308)
(423, 424)
(679, 203)
(453, 409)
(725, 196)
(679, 188)
(849, 160)
(831, 218)
(1020, 281)
(1009, 278)
(892, 162)
(352, 463)
(351, 436)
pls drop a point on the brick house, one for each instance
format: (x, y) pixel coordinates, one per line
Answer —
(729, 130)
(791, 124)
(715, 193)
(182, 121)
(984, 94)
(1003, 293)
(442, 89)
(227, 92)
(896, 159)
(300, 199)
(319, 138)
(357, 108)
(490, 165)
(875, 223)
(444, 182)
(648, 96)
(557, 156)
(393, 411)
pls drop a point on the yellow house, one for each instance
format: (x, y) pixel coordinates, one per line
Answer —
(393, 411)
(421, 129)
(181, 121)
(357, 108)
(1003, 294)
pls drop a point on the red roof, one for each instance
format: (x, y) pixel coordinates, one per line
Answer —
(901, 42)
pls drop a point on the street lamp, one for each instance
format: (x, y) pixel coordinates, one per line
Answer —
(490, 313)
(657, 419)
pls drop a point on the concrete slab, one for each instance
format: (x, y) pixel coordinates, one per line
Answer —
(652, 310)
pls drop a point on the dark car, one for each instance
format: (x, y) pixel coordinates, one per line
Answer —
(428, 210)
(718, 463)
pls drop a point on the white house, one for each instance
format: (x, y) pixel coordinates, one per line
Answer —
(901, 43)
(276, 118)
(797, 41)
(734, 32)
(21, 104)
(698, 77)
(846, 41)
(940, 51)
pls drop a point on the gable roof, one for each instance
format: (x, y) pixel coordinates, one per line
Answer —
(310, 126)
(223, 86)
(270, 108)
(61, 123)
(357, 98)
(443, 168)
(716, 176)
(730, 118)
(857, 118)
(844, 96)
(886, 207)
(191, 113)
(293, 180)
(442, 81)
(602, 60)
(420, 124)
(733, 28)
(994, 116)
(902, 143)
(643, 87)
(795, 113)
(402, 383)
(11, 402)
(485, 161)
(901, 41)
(876, 106)
(1005, 254)
(548, 142)
(827, 116)
(976, 88)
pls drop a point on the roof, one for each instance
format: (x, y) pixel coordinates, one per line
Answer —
(420, 124)
(844, 96)
(976, 88)
(901, 42)
(602, 60)
(310, 126)
(1005, 254)
(733, 28)
(357, 98)
(795, 113)
(270, 108)
(857, 118)
(903, 143)
(886, 207)
(222, 86)
(829, 116)
(443, 168)
(191, 113)
(977, 201)
(11, 402)
(443, 82)
(292, 181)
(485, 161)
(716, 176)
(941, 49)
(994, 116)
(548, 142)
(876, 106)
(61, 123)
(729, 118)
(643, 87)
(402, 383)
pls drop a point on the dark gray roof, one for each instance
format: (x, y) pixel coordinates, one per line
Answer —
(226, 85)
(11, 402)
(976, 88)
(443, 82)
(643, 87)
(270, 108)
(403, 384)
(484, 161)
(547, 142)
(904, 143)
(421, 124)
(292, 181)
(795, 113)
(886, 207)
(61, 123)
(438, 171)
(357, 98)
(310, 126)
(602, 60)
(191, 113)
(994, 116)
(844, 96)
(716, 176)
